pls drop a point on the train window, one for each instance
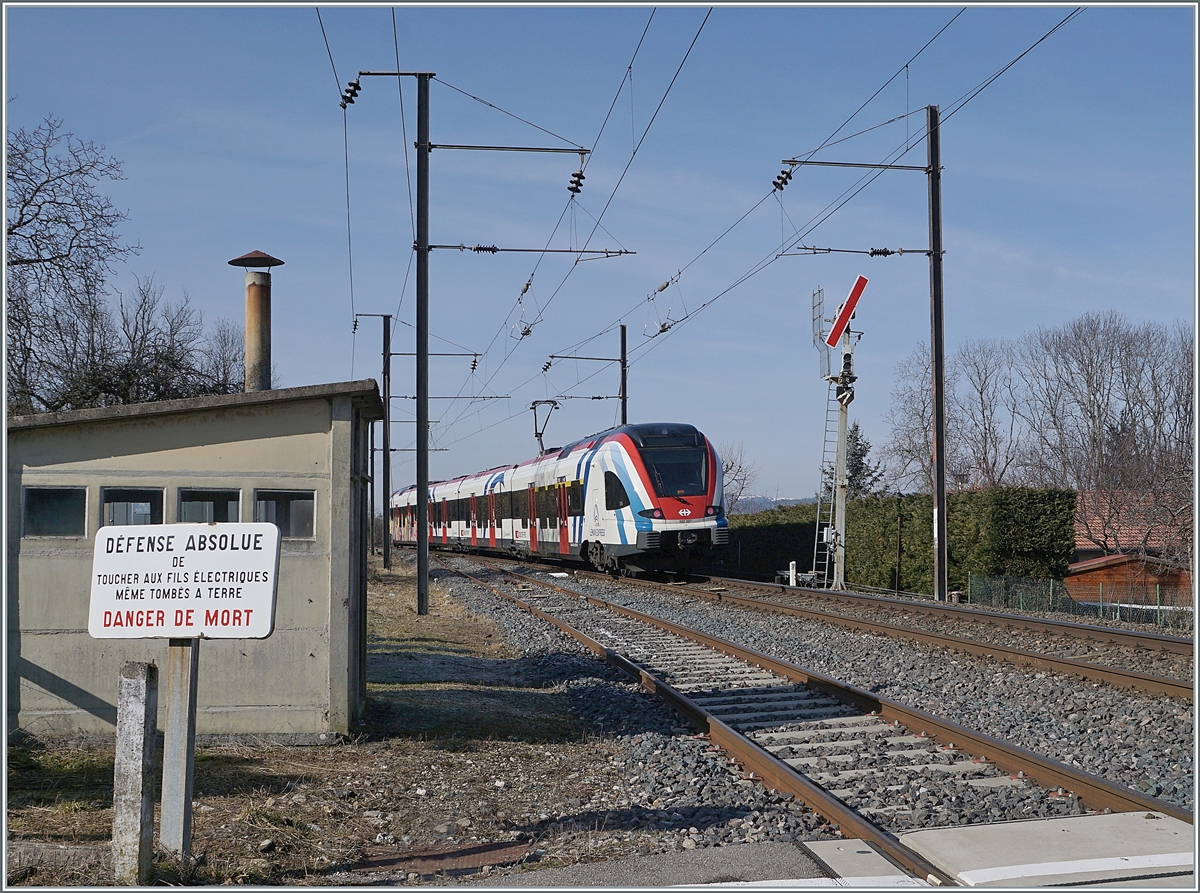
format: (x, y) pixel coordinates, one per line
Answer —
(54, 511)
(615, 496)
(548, 506)
(677, 471)
(575, 499)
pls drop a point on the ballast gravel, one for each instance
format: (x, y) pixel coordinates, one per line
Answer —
(678, 791)
(1157, 663)
(1145, 743)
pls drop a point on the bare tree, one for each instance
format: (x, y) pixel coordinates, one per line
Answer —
(1112, 419)
(61, 240)
(61, 232)
(740, 474)
(909, 453)
(984, 406)
(1099, 405)
(223, 360)
(66, 345)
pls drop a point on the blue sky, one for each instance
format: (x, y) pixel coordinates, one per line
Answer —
(1069, 186)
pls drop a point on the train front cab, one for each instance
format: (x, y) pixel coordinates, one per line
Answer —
(661, 490)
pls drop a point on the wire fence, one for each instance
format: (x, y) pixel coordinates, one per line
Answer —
(1166, 606)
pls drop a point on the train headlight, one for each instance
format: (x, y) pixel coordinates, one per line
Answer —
(651, 513)
(713, 511)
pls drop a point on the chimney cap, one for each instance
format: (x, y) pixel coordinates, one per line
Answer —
(255, 259)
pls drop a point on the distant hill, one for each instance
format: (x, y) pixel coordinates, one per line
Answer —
(752, 504)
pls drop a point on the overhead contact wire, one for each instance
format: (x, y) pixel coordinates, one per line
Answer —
(826, 143)
(869, 178)
(616, 96)
(566, 207)
(346, 159)
(412, 218)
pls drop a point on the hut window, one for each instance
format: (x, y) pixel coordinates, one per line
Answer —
(292, 511)
(121, 506)
(205, 506)
(54, 511)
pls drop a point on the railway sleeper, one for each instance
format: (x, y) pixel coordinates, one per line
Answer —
(892, 759)
(784, 713)
(687, 682)
(785, 699)
(832, 780)
(827, 712)
(871, 745)
(789, 748)
(768, 694)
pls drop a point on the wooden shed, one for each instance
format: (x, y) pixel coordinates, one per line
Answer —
(1128, 573)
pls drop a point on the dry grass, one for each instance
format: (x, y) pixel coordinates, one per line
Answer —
(443, 690)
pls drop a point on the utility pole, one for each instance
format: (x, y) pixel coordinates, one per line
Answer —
(386, 375)
(422, 247)
(933, 172)
(387, 442)
(624, 380)
(371, 434)
(940, 577)
(623, 360)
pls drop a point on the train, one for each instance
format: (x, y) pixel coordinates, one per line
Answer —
(633, 498)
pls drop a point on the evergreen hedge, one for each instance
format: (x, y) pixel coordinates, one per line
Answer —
(1014, 531)
(764, 542)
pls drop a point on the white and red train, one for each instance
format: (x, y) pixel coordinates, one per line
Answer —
(648, 495)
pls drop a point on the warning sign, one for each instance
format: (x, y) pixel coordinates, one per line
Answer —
(184, 581)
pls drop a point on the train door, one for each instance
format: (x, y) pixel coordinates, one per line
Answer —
(491, 509)
(533, 528)
(564, 545)
(445, 522)
(474, 522)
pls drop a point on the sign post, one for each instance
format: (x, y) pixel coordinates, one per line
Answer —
(179, 746)
(183, 583)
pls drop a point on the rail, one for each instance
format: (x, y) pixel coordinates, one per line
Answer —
(1094, 792)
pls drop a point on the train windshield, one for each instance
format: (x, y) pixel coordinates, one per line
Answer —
(677, 470)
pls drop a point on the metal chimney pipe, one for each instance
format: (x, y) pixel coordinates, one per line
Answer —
(258, 318)
(258, 330)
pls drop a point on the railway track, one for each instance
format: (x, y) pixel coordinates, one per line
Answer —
(1116, 657)
(861, 761)
(1081, 632)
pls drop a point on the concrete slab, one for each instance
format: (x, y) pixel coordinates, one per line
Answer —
(855, 863)
(780, 864)
(1122, 848)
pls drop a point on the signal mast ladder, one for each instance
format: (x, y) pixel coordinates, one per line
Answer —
(822, 550)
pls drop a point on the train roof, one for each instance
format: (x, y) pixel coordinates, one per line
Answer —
(643, 435)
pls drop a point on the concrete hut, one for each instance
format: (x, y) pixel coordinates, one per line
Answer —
(296, 456)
